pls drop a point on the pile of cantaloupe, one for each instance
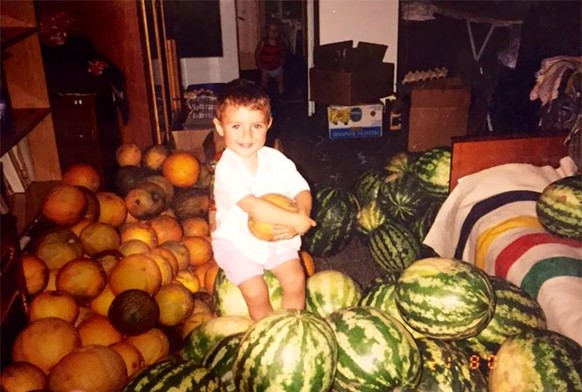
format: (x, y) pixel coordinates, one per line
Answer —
(100, 247)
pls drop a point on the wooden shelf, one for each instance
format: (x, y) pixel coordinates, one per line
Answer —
(23, 121)
(27, 206)
(11, 35)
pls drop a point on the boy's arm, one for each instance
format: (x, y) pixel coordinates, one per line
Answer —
(304, 202)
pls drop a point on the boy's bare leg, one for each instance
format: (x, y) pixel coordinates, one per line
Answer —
(292, 279)
(256, 294)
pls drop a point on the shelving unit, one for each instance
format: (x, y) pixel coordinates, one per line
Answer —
(32, 124)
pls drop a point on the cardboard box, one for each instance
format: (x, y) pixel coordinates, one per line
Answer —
(438, 111)
(192, 140)
(341, 87)
(349, 122)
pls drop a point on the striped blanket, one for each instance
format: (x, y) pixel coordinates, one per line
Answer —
(489, 220)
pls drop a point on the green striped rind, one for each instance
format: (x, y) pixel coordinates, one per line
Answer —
(366, 187)
(330, 290)
(370, 218)
(538, 360)
(174, 376)
(402, 200)
(422, 224)
(393, 247)
(515, 312)
(289, 350)
(146, 378)
(445, 298)
(207, 334)
(433, 169)
(376, 353)
(229, 301)
(335, 211)
(220, 357)
(381, 296)
(559, 207)
(445, 368)
(400, 163)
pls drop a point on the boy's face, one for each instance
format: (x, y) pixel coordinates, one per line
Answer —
(244, 129)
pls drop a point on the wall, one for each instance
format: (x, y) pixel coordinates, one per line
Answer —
(216, 69)
(374, 21)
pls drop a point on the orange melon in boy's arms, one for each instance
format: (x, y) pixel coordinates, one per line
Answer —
(263, 230)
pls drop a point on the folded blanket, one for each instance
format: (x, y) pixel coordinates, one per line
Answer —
(489, 220)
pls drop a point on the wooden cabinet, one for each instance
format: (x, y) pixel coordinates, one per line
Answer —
(87, 131)
(31, 129)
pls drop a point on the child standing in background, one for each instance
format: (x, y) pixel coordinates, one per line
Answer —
(270, 56)
(247, 170)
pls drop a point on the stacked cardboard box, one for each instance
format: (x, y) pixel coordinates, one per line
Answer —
(344, 75)
(439, 110)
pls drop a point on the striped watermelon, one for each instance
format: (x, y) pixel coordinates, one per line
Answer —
(402, 200)
(559, 207)
(539, 360)
(422, 224)
(229, 301)
(393, 247)
(381, 296)
(447, 369)
(367, 185)
(515, 312)
(220, 357)
(174, 376)
(433, 169)
(207, 334)
(370, 218)
(335, 211)
(376, 353)
(445, 298)
(329, 290)
(400, 163)
(289, 350)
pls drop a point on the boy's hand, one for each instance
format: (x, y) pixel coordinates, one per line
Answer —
(284, 232)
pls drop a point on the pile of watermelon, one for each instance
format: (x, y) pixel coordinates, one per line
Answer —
(439, 325)
(391, 209)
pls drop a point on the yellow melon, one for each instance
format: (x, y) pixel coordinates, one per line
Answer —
(83, 278)
(140, 231)
(180, 251)
(58, 339)
(22, 377)
(64, 205)
(175, 303)
(89, 369)
(182, 169)
(53, 304)
(166, 228)
(263, 230)
(112, 208)
(200, 250)
(82, 174)
(99, 237)
(188, 280)
(56, 247)
(154, 156)
(131, 356)
(102, 302)
(36, 273)
(97, 329)
(128, 154)
(166, 270)
(153, 345)
(135, 272)
(133, 247)
(195, 226)
(169, 256)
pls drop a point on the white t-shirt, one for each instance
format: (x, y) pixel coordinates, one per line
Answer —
(233, 181)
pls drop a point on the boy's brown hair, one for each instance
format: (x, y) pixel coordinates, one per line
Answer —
(242, 92)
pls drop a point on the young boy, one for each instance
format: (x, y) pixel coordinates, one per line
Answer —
(246, 170)
(270, 55)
